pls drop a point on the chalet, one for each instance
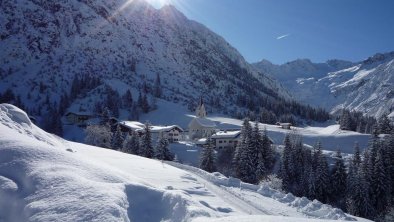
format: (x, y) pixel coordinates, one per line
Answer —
(229, 139)
(129, 126)
(173, 133)
(79, 118)
(284, 125)
(225, 139)
(200, 126)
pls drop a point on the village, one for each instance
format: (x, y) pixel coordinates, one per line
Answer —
(186, 144)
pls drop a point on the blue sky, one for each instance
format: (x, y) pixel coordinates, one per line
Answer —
(315, 29)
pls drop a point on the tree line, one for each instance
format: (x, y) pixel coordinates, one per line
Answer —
(364, 187)
(137, 143)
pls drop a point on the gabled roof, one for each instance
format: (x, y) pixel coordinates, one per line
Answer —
(133, 125)
(137, 126)
(155, 129)
(226, 134)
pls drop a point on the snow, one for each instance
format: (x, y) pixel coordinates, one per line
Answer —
(47, 178)
(205, 122)
(226, 134)
(365, 86)
(133, 125)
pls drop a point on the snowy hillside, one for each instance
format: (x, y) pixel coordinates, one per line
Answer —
(48, 178)
(45, 44)
(367, 86)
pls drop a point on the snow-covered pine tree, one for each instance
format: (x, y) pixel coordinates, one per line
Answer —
(380, 196)
(132, 144)
(345, 120)
(285, 172)
(384, 124)
(243, 161)
(322, 175)
(117, 139)
(358, 202)
(146, 148)
(207, 159)
(98, 135)
(339, 183)
(267, 151)
(162, 152)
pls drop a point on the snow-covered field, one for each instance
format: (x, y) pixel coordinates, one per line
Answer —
(45, 178)
(330, 136)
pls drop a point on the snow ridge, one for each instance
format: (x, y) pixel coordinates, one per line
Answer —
(366, 86)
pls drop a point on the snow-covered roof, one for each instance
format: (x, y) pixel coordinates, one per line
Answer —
(391, 115)
(155, 129)
(137, 126)
(201, 141)
(205, 122)
(226, 134)
(133, 125)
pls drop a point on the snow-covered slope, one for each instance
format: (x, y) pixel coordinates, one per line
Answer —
(44, 44)
(43, 178)
(367, 86)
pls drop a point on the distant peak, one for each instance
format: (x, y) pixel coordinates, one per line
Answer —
(379, 57)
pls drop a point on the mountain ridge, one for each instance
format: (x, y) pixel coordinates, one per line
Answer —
(365, 86)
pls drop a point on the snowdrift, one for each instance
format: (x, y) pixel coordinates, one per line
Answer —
(45, 178)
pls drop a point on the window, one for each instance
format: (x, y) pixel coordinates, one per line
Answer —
(170, 134)
(230, 141)
(220, 141)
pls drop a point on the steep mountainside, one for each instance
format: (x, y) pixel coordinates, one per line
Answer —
(44, 44)
(366, 86)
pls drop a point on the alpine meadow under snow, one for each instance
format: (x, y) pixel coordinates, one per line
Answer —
(46, 178)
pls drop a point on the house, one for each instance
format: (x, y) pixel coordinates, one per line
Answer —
(129, 126)
(79, 118)
(173, 133)
(200, 126)
(224, 139)
(284, 125)
(229, 139)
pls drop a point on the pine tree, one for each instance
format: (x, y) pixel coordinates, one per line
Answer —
(157, 87)
(345, 120)
(286, 167)
(384, 125)
(98, 135)
(162, 152)
(380, 197)
(207, 159)
(322, 179)
(117, 139)
(145, 107)
(358, 202)
(339, 183)
(132, 144)
(243, 160)
(127, 100)
(146, 147)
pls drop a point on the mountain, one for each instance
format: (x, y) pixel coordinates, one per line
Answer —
(44, 45)
(46, 178)
(366, 86)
